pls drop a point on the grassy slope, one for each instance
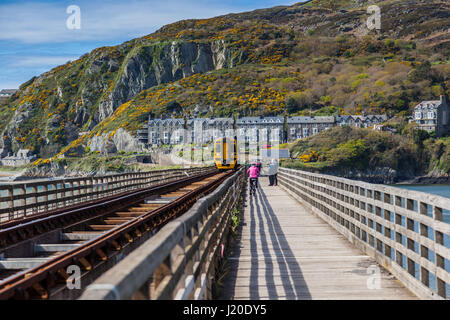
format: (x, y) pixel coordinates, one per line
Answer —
(412, 153)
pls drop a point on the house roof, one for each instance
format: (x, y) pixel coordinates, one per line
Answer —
(166, 121)
(8, 91)
(260, 120)
(432, 104)
(359, 118)
(321, 119)
(218, 120)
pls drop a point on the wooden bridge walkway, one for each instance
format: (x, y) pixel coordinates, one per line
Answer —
(286, 252)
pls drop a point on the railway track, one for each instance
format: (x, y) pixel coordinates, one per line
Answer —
(37, 253)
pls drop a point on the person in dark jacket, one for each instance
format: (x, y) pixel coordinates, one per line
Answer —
(273, 173)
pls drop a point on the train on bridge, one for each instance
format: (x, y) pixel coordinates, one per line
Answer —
(225, 153)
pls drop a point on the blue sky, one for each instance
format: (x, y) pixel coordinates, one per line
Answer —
(34, 37)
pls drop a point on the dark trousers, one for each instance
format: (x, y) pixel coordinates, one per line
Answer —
(273, 180)
(253, 181)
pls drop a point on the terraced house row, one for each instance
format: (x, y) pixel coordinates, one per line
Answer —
(172, 131)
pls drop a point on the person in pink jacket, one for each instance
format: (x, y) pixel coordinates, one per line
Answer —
(253, 173)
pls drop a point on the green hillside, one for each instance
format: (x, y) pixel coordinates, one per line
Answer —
(350, 152)
(315, 58)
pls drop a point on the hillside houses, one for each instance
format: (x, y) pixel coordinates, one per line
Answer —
(254, 129)
(303, 127)
(433, 116)
(21, 158)
(170, 131)
(360, 121)
(6, 93)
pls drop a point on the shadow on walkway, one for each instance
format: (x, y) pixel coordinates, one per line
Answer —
(292, 279)
(290, 284)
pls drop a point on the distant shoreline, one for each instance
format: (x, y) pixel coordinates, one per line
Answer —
(424, 180)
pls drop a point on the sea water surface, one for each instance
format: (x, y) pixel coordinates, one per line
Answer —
(442, 190)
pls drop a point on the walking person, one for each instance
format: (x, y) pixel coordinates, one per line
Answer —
(253, 173)
(273, 173)
(259, 166)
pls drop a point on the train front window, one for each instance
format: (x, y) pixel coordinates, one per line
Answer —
(218, 149)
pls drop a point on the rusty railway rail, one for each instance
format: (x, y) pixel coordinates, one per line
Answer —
(15, 231)
(23, 199)
(38, 282)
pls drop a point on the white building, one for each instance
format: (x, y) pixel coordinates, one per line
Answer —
(22, 158)
(433, 116)
(6, 93)
(359, 121)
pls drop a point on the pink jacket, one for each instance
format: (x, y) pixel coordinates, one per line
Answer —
(253, 172)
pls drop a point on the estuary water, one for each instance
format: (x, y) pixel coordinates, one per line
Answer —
(442, 190)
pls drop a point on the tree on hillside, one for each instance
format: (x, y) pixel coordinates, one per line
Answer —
(174, 107)
(329, 4)
(291, 105)
(421, 72)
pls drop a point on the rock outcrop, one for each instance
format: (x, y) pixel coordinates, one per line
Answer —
(120, 141)
(157, 64)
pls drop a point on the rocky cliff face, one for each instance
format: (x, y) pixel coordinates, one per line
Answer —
(376, 175)
(78, 96)
(120, 141)
(158, 64)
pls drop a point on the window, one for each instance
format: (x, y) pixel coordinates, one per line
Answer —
(431, 115)
(292, 131)
(305, 132)
(418, 115)
(315, 130)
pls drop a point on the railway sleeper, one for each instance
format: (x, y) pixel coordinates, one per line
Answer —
(21, 263)
(80, 235)
(52, 248)
(115, 222)
(102, 227)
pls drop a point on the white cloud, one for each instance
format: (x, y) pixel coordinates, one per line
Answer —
(46, 22)
(34, 37)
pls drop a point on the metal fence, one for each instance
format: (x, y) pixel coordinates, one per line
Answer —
(18, 200)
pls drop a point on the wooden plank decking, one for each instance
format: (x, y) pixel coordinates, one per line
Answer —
(286, 252)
